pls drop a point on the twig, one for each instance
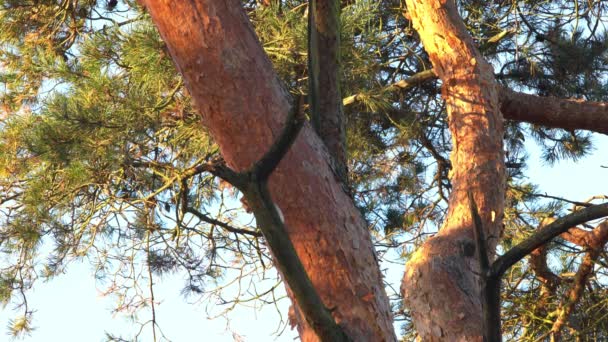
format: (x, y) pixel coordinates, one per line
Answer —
(215, 222)
(399, 85)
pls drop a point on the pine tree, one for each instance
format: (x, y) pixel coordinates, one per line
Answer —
(103, 151)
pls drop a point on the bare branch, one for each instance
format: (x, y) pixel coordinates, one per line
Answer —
(272, 226)
(253, 184)
(554, 112)
(218, 223)
(262, 169)
(325, 99)
(480, 240)
(595, 240)
(546, 111)
(404, 84)
(546, 234)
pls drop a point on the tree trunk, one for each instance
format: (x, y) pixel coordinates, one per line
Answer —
(244, 105)
(440, 286)
(324, 79)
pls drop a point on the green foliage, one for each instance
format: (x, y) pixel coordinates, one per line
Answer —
(559, 144)
(99, 140)
(95, 139)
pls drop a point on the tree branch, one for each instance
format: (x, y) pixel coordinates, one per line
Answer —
(544, 235)
(480, 241)
(271, 224)
(253, 184)
(325, 99)
(404, 84)
(546, 111)
(317, 315)
(595, 240)
(490, 286)
(218, 168)
(554, 112)
(254, 120)
(262, 169)
(218, 223)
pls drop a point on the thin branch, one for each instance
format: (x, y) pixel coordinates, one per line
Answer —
(271, 224)
(217, 168)
(325, 98)
(546, 234)
(401, 85)
(596, 238)
(253, 185)
(262, 169)
(9, 198)
(151, 288)
(545, 195)
(218, 223)
(480, 241)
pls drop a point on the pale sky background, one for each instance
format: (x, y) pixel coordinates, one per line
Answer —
(70, 308)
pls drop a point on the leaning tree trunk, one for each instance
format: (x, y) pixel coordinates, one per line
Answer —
(244, 105)
(440, 286)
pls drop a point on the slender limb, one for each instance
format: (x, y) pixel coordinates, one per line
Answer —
(218, 223)
(594, 241)
(253, 184)
(295, 120)
(546, 234)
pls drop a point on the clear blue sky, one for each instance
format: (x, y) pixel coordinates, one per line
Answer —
(70, 308)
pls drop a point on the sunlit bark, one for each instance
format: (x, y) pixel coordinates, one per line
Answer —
(548, 111)
(244, 105)
(554, 112)
(440, 286)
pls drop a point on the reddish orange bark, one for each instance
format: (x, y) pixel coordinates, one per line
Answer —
(546, 111)
(554, 112)
(440, 286)
(244, 106)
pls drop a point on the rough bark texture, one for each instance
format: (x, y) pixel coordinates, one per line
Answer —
(546, 111)
(440, 286)
(549, 280)
(554, 112)
(324, 76)
(244, 105)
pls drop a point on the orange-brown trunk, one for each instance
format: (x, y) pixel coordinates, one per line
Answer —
(244, 105)
(440, 286)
